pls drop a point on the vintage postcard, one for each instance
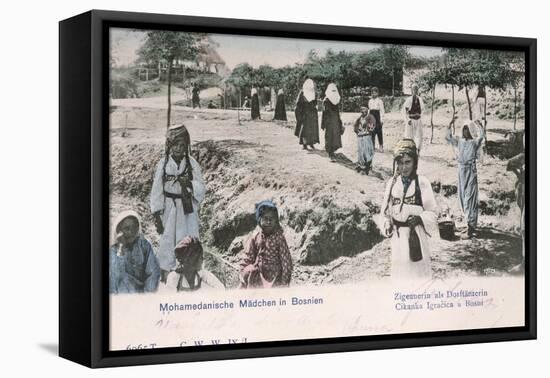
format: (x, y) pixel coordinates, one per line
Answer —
(273, 189)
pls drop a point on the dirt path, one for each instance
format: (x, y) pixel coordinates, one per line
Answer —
(262, 159)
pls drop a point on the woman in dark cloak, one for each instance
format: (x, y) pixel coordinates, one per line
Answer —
(307, 119)
(195, 98)
(255, 105)
(280, 109)
(331, 121)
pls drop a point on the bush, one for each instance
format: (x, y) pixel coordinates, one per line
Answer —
(149, 88)
(354, 103)
(123, 84)
(391, 104)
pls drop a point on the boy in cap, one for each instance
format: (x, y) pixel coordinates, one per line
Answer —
(189, 275)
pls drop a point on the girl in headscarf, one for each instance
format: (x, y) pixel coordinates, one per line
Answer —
(189, 275)
(176, 194)
(307, 119)
(331, 121)
(364, 127)
(280, 109)
(133, 267)
(409, 216)
(255, 105)
(267, 261)
(468, 150)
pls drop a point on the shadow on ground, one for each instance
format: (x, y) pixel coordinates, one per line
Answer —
(490, 252)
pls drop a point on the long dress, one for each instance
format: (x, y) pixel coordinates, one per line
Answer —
(137, 271)
(479, 104)
(332, 124)
(255, 107)
(271, 257)
(195, 98)
(307, 121)
(413, 108)
(365, 145)
(177, 224)
(280, 109)
(467, 174)
(402, 267)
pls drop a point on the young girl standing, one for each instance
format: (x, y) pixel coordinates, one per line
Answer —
(176, 194)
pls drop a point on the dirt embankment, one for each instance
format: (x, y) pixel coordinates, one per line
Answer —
(334, 227)
(326, 209)
(320, 225)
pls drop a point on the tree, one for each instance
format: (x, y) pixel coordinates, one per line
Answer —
(242, 76)
(395, 58)
(448, 74)
(266, 76)
(515, 75)
(465, 68)
(428, 82)
(167, 46)
(378, 67)
(292, 78)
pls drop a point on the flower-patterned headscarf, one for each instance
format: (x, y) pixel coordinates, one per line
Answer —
(262, 206)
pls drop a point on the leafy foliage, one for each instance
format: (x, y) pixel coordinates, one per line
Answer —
(169, 45)
(166, 46)
(381, 67)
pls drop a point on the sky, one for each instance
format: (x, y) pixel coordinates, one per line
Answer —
(279, 52)
(236, 49)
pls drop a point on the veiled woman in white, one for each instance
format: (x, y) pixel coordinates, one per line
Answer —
(177, 192)
(408, 216)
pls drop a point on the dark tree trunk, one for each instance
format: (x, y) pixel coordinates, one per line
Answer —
(239, 108)
(432, 115)
(515, 106)
(452, 123)
(469, 102)
(485, 115)
(169, 79)
(392, 82)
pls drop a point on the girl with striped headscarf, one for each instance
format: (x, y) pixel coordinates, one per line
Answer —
(176, 194)
(409, 216)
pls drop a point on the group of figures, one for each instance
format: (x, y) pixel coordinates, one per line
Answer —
(253, 104)
(368, 127)
(409, 210)
(307, 122)
(176, 194)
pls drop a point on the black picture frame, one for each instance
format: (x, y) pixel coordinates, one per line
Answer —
(83, 196)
